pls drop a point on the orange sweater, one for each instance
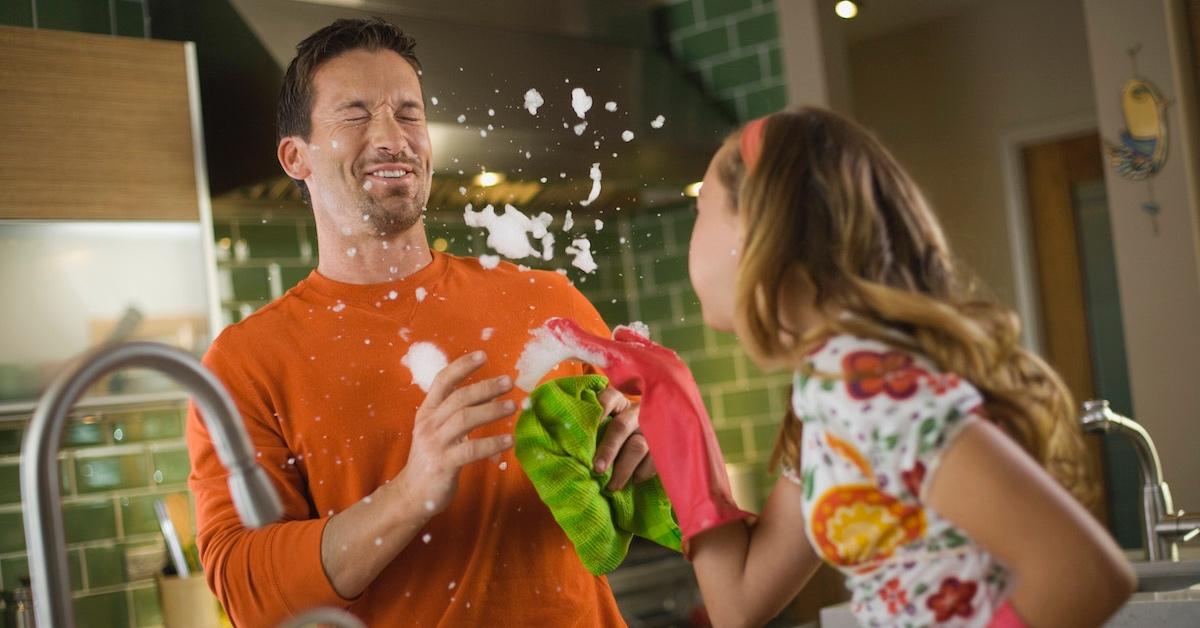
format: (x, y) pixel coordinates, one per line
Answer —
(317, 376)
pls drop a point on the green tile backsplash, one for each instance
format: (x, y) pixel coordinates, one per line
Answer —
(733, 49)
(114, 464)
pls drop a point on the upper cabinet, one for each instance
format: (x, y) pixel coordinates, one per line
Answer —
(96, 127)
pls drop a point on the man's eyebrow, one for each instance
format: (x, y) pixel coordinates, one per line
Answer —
(359, 104)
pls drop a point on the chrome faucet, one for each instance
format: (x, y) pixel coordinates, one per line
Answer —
(1163, 528)
(253, 495)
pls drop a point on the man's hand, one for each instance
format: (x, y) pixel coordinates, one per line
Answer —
(440, 447)
(623, 442)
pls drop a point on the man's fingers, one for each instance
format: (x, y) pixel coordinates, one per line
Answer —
(475, 449)
(619, 429)
(450, 377)
(470, 418)
(612, 401)
(645, 470)
(473, 395)
(632, 453)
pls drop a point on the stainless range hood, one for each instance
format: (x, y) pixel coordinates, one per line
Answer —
(481, 55)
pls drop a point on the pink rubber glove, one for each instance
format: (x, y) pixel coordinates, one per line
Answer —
(1006, 617)
(673, 420)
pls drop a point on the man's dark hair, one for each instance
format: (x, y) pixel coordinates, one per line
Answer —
(294, 114)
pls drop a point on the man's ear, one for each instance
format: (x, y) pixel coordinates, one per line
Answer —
(293, 156)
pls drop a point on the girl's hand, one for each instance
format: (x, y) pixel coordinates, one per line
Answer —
(671, 417)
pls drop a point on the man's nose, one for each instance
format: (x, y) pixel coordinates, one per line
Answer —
(389, 136)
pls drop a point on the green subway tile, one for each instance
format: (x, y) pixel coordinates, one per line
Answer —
(764, 101)
(648, 236)
(680, 339)
(733, 445)
(146, 609)
(132, 427)
(613, 313)
(735, 73)
(775, 62)
(704, 44)
(713, 370)
(137, 514)
(17, 567)
(86, 16)
(107, 473)
(714, 9)
(679, 15)
(12, 532)
(107, 610)
(171, 467)
(251, 284)
(105, 566)
(10, 440)
(14, 13)
(271, 240)
(90, 521)
(725, 339)
(129, 19)
(10, 484)
(758, 29)
(669, 271)
(292, 275)
(765, 434)
(690, 310)
(755, 402)
(88, 430)
(656, 308)
(682, 223)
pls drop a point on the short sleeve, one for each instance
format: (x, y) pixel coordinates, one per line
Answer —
(943, 406)
(895, 407)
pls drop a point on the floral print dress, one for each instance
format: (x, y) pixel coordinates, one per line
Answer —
(876, 422)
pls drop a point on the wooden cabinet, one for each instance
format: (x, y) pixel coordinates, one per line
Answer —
(95, 127)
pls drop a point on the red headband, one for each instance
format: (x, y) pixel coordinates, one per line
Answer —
(751, 142)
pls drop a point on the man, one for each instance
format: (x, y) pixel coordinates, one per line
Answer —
(403, 501)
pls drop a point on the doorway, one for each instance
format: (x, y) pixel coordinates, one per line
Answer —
(1080, 313)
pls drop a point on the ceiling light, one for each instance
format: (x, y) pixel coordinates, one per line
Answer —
(846, 9)
(488, 179)
(693, 190)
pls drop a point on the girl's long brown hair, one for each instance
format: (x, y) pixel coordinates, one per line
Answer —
(828, 211)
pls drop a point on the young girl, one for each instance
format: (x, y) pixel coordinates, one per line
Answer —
(931, 459)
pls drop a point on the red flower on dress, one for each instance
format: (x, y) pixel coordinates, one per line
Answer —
(869, 373)
(895, 597)
(953, 598)
(913, 478)
(943, 383)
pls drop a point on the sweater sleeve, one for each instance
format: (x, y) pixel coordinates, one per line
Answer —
(265, 575)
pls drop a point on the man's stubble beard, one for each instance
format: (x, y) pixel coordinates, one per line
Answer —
(386, 223)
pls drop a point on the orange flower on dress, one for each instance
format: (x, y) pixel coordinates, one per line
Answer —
(855, 524)
(849, 452)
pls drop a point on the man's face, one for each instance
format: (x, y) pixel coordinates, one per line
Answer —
(368, 153)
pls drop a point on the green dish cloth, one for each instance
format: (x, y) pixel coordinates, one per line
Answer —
(556, 439)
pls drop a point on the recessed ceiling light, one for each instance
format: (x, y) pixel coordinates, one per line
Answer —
(488, 179)
(846, 9)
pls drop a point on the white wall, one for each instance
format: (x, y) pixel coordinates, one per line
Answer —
(941, 96)
(1157, 273)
